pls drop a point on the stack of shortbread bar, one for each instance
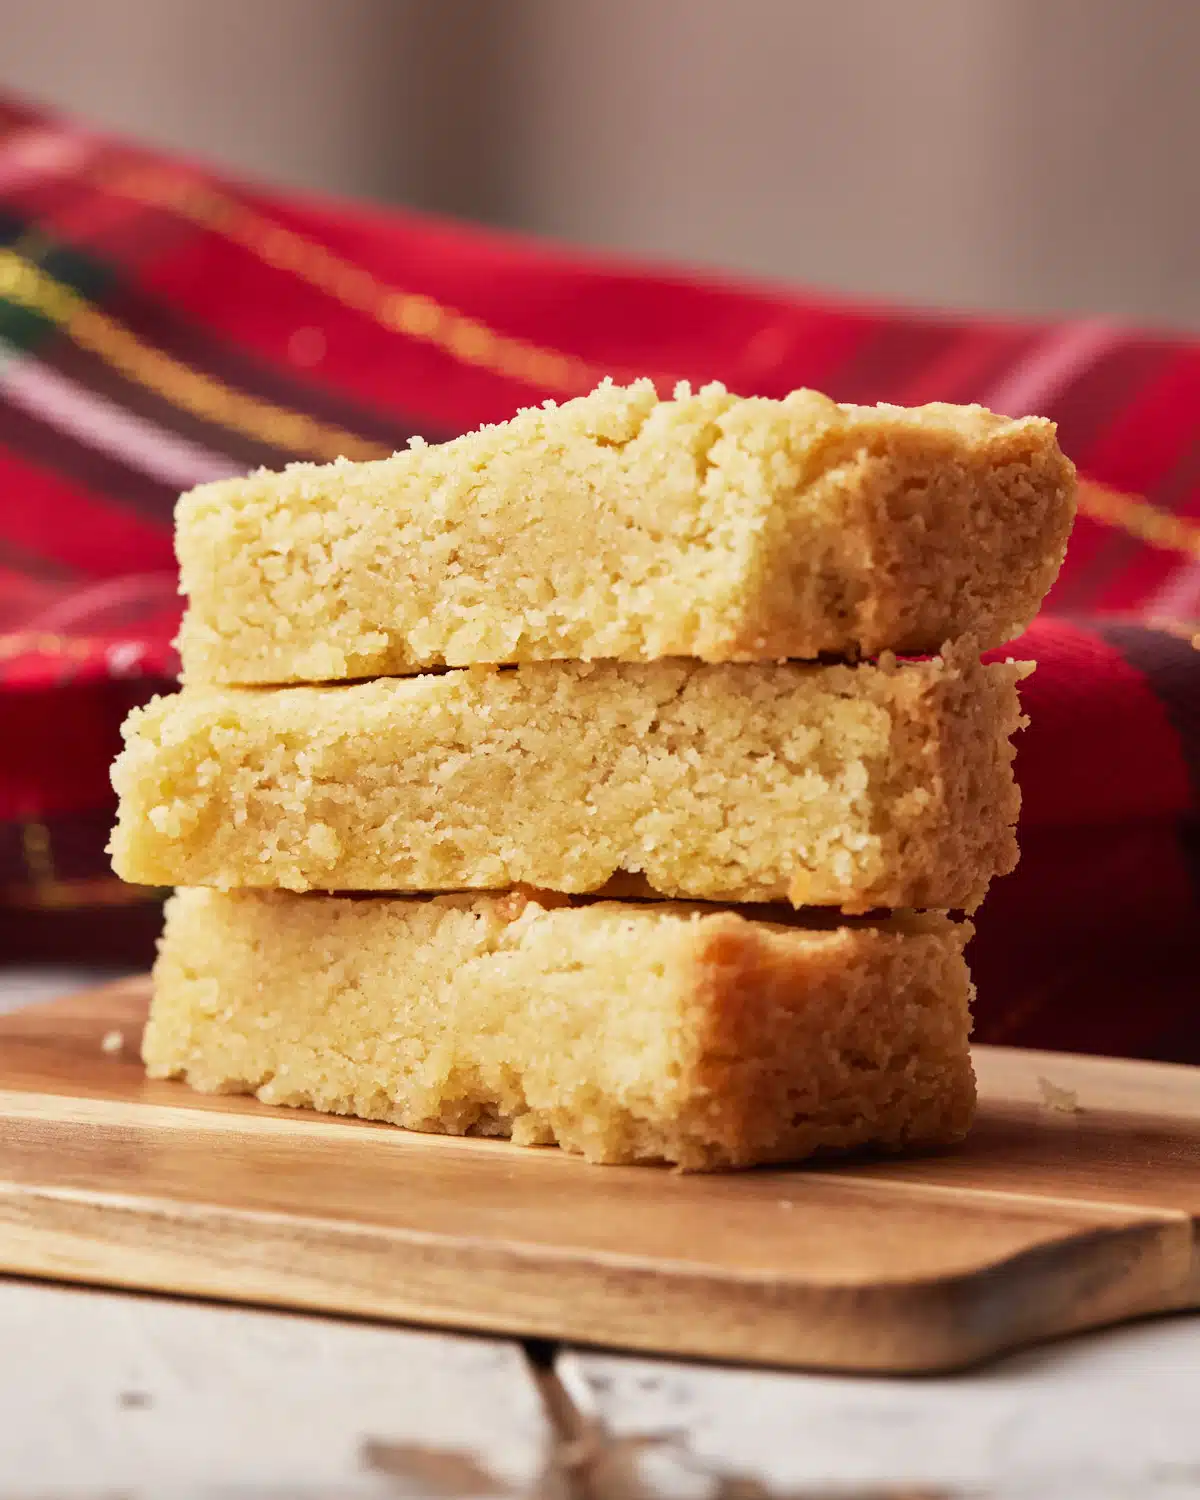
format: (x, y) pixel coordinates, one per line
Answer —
(591, 778)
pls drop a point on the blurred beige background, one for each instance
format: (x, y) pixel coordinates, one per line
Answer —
(1032, 156)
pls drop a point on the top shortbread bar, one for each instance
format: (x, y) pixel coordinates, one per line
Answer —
(621, 525)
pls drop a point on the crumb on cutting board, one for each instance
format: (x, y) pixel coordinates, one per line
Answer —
(1062, 1101)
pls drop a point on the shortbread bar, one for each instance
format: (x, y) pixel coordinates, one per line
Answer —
(626, 1032)
(624, 526)
(873, 786)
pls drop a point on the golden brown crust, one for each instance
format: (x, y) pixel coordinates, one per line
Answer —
(625, 1032)
(866, 787)
(626, 527)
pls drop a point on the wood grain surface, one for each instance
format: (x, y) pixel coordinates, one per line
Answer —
(1075, 1203)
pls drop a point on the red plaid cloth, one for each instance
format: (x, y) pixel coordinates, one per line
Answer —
(159, 327)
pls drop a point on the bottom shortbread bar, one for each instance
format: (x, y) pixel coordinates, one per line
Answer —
(627, 1032)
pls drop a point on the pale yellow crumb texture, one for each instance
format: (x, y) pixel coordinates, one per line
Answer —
(623, 1031)
(624, 526)
(869, 786)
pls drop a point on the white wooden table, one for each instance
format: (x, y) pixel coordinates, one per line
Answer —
(105, 1395)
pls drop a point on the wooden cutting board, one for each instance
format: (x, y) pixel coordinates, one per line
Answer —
(1076, 1202)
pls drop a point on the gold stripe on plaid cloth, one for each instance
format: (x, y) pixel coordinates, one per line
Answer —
(413, 314)
(100, 894)
(45, 891)
(27, 285)
(1157, 528)
(14, 643)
